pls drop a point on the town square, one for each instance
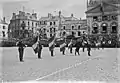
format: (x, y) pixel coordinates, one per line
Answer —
(54, 46)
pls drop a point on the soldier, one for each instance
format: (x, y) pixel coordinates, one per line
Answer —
(77, 48)
(52, 49)
(21, 47)
(88, 47)
(39, 50)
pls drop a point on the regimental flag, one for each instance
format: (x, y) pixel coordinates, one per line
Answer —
(70, 44)
(63, 45)
(35, 45)
(51, 42)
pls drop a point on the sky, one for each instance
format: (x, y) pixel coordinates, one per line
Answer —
(43, 7)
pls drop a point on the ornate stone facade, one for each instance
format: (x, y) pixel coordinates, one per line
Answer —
(64, 25)
(23, 25)
(103, 17)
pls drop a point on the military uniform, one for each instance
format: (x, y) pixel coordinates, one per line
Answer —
(88, 48)
(39, 50)
(52, 49)
(21, 50)
(77, 48)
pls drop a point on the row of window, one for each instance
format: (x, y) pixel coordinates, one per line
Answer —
(105, 18)
(45, 23)
(73, 27)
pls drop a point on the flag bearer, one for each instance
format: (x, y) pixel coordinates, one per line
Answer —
(39, 50)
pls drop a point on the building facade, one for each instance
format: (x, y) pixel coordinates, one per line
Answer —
(3, 29)
(62, 25)
(103, 17)
(23, 25)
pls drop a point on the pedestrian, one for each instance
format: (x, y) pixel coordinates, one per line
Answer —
(89, 47)
(77, 48)
(21, 47)
(39, 50)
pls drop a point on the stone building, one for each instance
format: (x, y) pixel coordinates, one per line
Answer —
(50, 24)
(23, 25)
(3, 28)
(103, 17)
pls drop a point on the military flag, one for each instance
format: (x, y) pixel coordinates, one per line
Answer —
(63, 45)
(34, 46)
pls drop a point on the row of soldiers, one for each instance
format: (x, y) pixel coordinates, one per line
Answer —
(78, 44)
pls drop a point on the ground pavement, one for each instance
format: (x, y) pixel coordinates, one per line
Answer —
(101, 66)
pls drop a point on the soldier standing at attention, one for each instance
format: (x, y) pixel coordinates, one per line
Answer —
(39, 50)
(88, 47)
(21, 47)
(52, 49)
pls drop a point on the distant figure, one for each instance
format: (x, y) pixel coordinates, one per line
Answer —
(39, 50)
(21, 47)
(89, 47)
(77, 48)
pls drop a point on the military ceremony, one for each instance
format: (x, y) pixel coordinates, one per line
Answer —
(42, 41)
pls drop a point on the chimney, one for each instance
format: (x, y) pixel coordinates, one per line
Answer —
(71, 15)
(34, 15)
(49, 15)
(4, 19)
(80, 18)
(59, 13)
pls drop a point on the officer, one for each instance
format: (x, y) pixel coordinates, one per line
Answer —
(88, 47)
(39, 50)
(21, 47)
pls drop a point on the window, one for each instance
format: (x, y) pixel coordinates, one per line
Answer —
(72, 27)
(114, 28)
(50, 23)
(95, 18)
(54, 23)
(73, 33)
(50, 35)
(36, 24)
(64, 27)
(3, 33)
(28, 23)
(32, 24)
(54, 29)
(114, 17)
(79, 33)
(50, 29)
(79, 27)
(104, 28)
(64, 33)
(95, 28)
(3, 27)
(104, 18)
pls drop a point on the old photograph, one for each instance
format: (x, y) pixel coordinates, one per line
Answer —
(55, 41)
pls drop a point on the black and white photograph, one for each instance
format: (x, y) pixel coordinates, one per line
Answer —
(60, 41)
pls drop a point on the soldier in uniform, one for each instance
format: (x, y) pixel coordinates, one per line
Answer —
(88, 47)
(70, 45)
(77, 48)
(39, 50)
(21, 47)
(52, 49)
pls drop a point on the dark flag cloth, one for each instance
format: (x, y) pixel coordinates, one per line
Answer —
(63, 45)
(34, 46)
(51, 42)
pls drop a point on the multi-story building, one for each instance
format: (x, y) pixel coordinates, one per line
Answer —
(103, 17)
(23, 25)
(50, 24)
(3, 29)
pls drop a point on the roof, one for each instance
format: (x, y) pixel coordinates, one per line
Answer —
(106, 7)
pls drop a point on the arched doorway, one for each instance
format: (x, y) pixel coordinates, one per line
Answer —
(114, 27)
(95, 28)
(104, 27)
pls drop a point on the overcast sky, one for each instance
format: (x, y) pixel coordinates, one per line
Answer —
(43, 7)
